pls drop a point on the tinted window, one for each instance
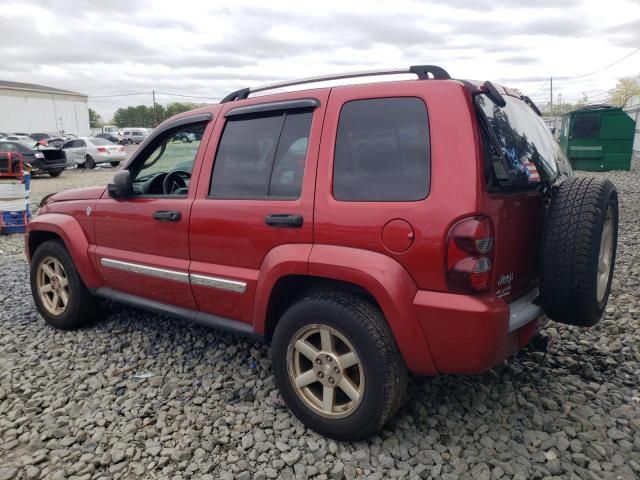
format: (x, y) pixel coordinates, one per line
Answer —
(382, 151)
(262, 155)
(526, 146)
(79, 143)
(586, 126)
(101, 141)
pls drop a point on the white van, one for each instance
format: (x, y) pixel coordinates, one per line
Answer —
(134, 135)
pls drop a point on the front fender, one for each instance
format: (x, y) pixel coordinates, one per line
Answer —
(391, 286)
(75, 241)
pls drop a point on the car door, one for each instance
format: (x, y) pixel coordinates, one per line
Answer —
(142, 244)
(70, 151)
(255, 194)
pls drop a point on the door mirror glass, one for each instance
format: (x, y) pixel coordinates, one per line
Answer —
(122, 187)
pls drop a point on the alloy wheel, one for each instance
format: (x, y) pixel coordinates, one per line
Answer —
(53, 285)
(325, 371)
(605, 255)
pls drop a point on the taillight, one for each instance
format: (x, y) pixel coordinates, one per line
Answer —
(470, 255)
(121, 149)
(102, 149)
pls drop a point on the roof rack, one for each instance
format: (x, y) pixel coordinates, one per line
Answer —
(422, 71)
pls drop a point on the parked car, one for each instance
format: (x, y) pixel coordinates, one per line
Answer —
(185, 137)
(135, 135)
(2, 134)
(41, 159)
(361, 233)
(40, 136)
(16, 137)
(112, 137)
(90, 151)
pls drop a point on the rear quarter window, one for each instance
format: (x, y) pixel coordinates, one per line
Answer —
(382, 151)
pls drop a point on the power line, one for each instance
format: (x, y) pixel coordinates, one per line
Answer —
(188, 96)
(120, 95)
(606, 67)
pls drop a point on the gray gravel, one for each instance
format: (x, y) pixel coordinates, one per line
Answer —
(142, 396)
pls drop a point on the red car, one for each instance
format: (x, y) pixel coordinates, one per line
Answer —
(367, 231)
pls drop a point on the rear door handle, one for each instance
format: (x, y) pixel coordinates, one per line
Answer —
(167, 215)
(284, 220)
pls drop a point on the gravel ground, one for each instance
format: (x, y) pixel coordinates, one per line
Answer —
(142, 396)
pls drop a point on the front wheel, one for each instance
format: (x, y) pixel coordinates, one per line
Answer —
(114, 164)
(337, 365)
(58, 291)
(55, 173)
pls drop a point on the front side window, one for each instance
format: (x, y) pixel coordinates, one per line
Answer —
(166, 170)
(262, 155)
(382, 151)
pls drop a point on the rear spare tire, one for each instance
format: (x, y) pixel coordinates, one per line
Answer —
(579, 250)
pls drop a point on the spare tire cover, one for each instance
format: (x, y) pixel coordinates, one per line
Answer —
(578, 250)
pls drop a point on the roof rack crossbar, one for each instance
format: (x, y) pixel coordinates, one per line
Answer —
(422, 71)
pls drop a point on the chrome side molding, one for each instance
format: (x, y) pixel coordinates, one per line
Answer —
(176, 275)
(219, 283)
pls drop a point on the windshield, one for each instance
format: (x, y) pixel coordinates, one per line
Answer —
(530, 153)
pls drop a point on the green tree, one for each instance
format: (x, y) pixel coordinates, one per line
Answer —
(144, 116)
(624, 90)
(94, 119)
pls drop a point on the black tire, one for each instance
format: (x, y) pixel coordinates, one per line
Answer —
(82, 308)
(55, 173)
(570, 250)
(366, 329)
(89, 162)
(114, 164)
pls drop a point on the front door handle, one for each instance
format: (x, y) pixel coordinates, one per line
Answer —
(284, 220)
(167, 215)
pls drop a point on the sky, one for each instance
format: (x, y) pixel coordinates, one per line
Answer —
(201, 50)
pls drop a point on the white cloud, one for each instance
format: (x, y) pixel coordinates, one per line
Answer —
(209, 49)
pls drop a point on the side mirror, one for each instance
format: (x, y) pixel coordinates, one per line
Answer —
(122, 186)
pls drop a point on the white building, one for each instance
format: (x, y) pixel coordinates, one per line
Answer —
(28, 108)
(633, 109)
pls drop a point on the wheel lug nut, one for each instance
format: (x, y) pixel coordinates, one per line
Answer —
(336, 369)
(328, 358)
(331, 380)
(319, 361)
(320, 374)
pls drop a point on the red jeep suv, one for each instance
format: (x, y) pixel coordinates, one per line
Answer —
(427, 225)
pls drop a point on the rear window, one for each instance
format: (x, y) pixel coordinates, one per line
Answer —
(382, 151)
(101, 141)
(527, 151)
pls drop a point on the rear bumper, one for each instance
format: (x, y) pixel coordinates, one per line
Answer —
(109, 157)
(470, 334)
(51, 167)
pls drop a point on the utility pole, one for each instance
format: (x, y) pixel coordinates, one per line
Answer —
(551, 99)
(155, 118)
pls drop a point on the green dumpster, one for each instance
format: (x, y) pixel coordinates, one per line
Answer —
(598, 138)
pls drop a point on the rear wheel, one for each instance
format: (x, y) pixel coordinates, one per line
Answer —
(114, 164)
(89, 162)
(55, 173)
(337, 365)
(58, 291)
(579, 250)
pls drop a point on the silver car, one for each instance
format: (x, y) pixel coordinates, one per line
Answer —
(135, 135)
(90, 151)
